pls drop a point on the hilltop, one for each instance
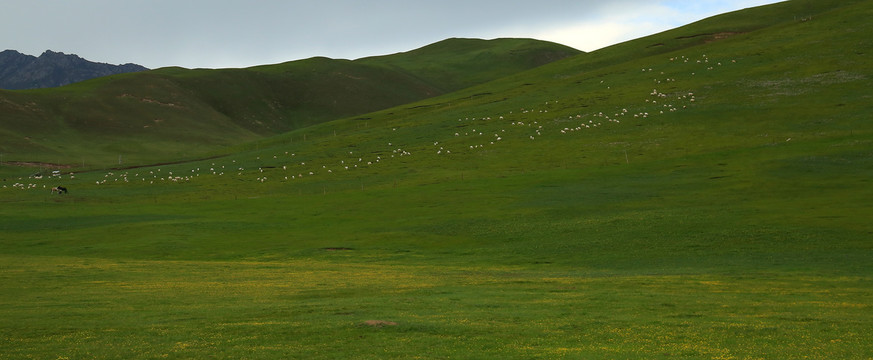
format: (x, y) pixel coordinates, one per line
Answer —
(52, 69)
(167, 113)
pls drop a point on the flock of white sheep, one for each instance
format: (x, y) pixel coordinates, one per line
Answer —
(468, 135)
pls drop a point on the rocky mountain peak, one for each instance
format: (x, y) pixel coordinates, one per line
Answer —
(51, 69)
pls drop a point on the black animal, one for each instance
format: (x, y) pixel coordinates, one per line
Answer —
(59, 190)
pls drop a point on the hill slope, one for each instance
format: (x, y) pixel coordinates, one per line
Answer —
(709, 199)
(167, 113)
(51, 69)
(455, 63)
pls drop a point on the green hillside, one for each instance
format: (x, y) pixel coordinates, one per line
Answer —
(704, 198)
(175, 113)
(455, 64)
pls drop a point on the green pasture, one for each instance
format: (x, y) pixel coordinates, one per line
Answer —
(674, 258)
(173, 114)
(704, 200)
(611, 262)
(98, 308)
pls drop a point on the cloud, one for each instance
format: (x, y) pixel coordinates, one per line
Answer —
(596, 28)
(582, 36)
(632, 21)
(236, 33)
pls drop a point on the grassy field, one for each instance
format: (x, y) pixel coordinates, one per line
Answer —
(707, 199)
(173, 114)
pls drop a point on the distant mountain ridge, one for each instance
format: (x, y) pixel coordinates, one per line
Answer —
(52, 69)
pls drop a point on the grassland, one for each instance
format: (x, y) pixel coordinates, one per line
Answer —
(556, 213)
(173, 114)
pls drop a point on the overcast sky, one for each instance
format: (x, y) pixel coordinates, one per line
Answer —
(236, 33)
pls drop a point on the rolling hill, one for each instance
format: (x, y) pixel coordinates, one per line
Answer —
(699, 193)
(170, 113)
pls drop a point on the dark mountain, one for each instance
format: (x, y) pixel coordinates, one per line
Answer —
(51, 69)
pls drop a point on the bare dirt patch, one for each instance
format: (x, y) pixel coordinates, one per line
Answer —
(337, 249)
(710, 37)
(379, 323)
(37, 164)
